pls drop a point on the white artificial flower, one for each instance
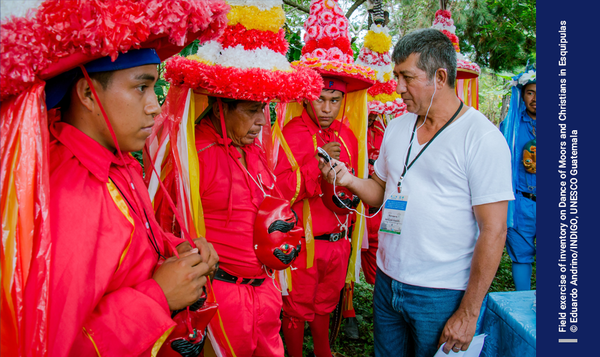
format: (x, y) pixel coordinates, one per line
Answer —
(263, 57)
(210, 51)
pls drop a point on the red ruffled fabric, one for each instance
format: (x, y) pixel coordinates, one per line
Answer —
(255, 84)
(343, 43)
(388, 87)
(95, 28)
(253, 39)
(353, 73)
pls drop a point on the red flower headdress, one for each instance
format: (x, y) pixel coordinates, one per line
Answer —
(464, 67)
(60, 35)
(248, 61)
(327, 46)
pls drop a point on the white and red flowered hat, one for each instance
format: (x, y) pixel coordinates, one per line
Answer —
(248, 61)
(58, 35)
(327, 47)
(464, 67)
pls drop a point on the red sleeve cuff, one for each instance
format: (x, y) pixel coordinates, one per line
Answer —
(151, 289)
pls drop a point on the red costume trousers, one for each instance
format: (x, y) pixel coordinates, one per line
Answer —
(250, 317)
(317, 290)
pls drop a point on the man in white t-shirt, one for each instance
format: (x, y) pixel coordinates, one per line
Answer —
(444, 178)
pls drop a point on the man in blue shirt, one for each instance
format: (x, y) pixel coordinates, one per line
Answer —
(520, 132)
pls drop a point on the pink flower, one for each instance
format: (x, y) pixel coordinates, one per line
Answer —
(312, 20)
(326, 17)
(341, 23)
(335, 54)
(319, 53)
(316, 7)
(332, 31)
(330, 4)
(314, 32)
(338, 11)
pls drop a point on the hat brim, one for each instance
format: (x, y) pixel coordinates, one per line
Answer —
(254, 84)
(357, 77)
(466, 73)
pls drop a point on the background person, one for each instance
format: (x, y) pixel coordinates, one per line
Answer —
(519, 129)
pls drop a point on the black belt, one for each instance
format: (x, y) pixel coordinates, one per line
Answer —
(222, 275)
(531, 196)
(332, 237)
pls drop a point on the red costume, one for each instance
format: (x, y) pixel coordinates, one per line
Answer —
(250, 314)
(103, 259)
(315, 290)
(369, 256)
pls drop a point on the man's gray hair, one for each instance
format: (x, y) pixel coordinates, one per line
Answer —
(435, 49)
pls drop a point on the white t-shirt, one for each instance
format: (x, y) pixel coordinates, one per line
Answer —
(468, 164)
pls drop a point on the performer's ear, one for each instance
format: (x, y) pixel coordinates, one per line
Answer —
(83, 93)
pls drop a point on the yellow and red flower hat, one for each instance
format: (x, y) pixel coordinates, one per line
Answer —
(327, 46)
(375, 54)
(248, 61)
(464, 67)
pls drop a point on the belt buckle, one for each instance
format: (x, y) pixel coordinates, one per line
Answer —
(334, 237)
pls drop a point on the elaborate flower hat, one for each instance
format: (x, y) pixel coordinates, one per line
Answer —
(375, 54)
(327, 46)
(248, 61)
(464, 67)
(60, 35)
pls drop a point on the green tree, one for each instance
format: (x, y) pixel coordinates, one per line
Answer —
(498, 34)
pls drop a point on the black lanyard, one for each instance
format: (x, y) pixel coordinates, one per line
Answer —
(428, 143)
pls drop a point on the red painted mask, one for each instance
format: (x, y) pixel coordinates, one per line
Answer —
(277, 235)
(333, 200)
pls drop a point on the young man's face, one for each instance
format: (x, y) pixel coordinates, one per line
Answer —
(131, 105)
(243, 121)
(414, 87)
(372, 118)
(529, 98)
(326, 108)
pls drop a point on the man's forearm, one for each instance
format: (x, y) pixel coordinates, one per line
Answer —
(486, 258)
(368, 190)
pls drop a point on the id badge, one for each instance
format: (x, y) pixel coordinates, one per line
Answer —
(393, 213)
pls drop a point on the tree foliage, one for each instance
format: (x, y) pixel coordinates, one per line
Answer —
(498, 34)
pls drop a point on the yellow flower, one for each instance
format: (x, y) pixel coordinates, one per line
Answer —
(384, 98)
(200, 59)
(378, 42)
(252, 18)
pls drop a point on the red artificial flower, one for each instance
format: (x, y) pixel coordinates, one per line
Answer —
(444, 13)
(325, 43)
(253, 39)
(386, 87)
(343, 43)
(310, 46)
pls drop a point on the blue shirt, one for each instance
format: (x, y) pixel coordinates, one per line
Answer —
(526, 181)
